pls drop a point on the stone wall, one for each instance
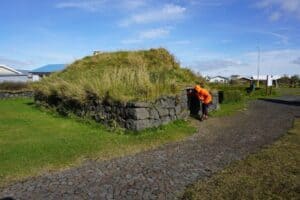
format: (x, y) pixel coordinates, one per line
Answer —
(130, 115)
(15, 94)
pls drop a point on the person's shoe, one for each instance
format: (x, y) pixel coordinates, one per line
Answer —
(202, 118)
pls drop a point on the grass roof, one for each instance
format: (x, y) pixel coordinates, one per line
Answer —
(121, 75)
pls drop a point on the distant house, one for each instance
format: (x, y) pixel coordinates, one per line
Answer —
(97, 53)
(218, 79)
(240, 79)
(48, 69)
(8, 74)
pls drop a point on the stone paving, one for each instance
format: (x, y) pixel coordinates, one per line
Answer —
(164, 173)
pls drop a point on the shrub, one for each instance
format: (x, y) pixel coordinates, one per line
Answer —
(233, 96)
(14, 86)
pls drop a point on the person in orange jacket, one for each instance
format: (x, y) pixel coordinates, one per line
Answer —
(206, 98)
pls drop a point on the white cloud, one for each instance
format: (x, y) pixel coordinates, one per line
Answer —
(296, 61)
(279, 8)
(168, 12)
(205, 2)
(216, 64)
(182, 42)
(275, 16)
(282, 39)
(131, 41)
(150, 34)
(15, 63)
(89, 5)
(133, 4)
(274, 62)
(154, 33)
(99, 5)
(225, 41)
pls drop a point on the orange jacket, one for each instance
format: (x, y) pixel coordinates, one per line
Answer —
(203, 94)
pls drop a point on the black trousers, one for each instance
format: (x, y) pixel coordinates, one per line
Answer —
(205, 108)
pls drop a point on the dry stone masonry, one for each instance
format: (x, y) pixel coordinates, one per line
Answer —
(130, 115)
(15, 94)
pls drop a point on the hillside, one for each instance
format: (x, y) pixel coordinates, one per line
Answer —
(122, 75)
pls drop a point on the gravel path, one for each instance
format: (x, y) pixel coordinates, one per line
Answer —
(163, 173)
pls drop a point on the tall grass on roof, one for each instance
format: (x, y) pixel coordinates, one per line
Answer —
(123, 75)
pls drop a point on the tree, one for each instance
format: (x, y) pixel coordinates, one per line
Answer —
(295, 81)
(285, 80)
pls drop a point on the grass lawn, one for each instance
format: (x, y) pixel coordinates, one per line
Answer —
(288, 91)
(272, 173)
(229, 109)
(33, 141)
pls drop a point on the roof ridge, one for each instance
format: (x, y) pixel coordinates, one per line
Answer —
(10, 69)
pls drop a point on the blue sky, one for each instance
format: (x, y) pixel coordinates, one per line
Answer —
(213, 37)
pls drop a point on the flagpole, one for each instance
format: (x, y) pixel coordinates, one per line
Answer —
(258, 65)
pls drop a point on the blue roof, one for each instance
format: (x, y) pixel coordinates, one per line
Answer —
(50, 68)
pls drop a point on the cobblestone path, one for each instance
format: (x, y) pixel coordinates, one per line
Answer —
(163, 173)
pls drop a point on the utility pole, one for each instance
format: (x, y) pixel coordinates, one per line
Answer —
(258, 65)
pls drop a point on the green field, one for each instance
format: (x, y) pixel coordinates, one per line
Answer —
(272, 173)
(33, 141)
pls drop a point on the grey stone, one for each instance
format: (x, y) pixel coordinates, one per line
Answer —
(107, 108)
(137, 113)
(155, 123)
(153, 114)
(173, 117)
(184, 105)
(162, 103)
(172, 111)
(162, 111)
(178, 110)
(183, 115)
(138, 125)
(138, 104)
(165, 120)
(23, 94)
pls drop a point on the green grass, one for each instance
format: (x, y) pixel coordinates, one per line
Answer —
(272, 173)
(33, 141)
(231, 107)
(288, 91)
(122, 76)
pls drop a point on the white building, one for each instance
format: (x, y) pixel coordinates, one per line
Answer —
(264, 77)
(8, 74)
(218, 79)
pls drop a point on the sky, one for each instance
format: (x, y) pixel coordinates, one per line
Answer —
(212, 37)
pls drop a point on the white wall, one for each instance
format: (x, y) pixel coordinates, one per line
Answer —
(218, 80)
(13, 78)
(35, 77)
(4, 71)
